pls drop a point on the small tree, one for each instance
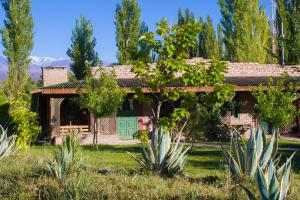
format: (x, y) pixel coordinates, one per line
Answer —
(172, 50)
(275, 103)
(171, 69)
(102, 97)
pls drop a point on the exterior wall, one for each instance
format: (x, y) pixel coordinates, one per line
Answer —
(54, 75)
(145, 118)
(245, 110)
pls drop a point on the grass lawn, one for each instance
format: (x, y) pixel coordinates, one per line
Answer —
(25, 176)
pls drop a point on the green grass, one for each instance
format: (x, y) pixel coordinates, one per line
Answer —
(25, 176)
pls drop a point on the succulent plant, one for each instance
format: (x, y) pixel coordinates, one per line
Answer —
(244, 158)
(162, 156)
(7, 144)
(67, 160)
(272, 184)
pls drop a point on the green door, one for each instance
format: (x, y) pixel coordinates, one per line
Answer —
(127, 122)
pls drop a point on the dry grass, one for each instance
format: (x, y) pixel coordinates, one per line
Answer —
(111, 174)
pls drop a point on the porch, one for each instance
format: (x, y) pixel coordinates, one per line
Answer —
(64, 116)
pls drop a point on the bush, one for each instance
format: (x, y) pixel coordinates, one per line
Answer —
(25, 122)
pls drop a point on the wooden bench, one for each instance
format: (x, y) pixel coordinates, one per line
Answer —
(81, 129)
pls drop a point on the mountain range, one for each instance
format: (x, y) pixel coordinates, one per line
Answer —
(36, 64)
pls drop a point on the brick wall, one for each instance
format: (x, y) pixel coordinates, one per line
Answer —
(54, 75)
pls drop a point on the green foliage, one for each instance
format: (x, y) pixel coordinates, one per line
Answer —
(25, 121)
(171, 50)
(17, 40)
(188, 17)
(211, 49)
(275, 103)
(67, 160)
(245, 28)
(127, 22)
(163, 157)
(102, 96)
(82, 51)
(144, 51)
(143, 136)
(7, 144)
(220, 41)
(244, 158)
(288, 15)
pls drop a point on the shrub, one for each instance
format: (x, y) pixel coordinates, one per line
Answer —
(25, 122)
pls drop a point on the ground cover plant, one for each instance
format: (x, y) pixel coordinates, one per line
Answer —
(110, 173)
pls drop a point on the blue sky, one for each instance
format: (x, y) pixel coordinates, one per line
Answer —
(55, 19)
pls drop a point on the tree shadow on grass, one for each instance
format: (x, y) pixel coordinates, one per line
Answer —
(296, 160)
(114, 148)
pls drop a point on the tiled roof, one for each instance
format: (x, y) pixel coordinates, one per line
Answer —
(238, 81)
(233, 70)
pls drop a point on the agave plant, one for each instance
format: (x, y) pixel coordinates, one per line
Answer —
(162, 156)
(7, 144)
(67, 160)
(244, 158)
(272, 184)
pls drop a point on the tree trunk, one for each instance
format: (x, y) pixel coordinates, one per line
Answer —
(95, 138)
(97, 134)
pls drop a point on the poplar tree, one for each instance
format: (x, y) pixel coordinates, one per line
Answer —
(17, 40)
(210, 40)
(127, 22)
(82, 51)
(220, 41)
(246, 30)
(201, 42)
(144, 50)
(183, 19)
(288, 21)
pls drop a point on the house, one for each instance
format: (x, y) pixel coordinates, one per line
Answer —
(59, 114)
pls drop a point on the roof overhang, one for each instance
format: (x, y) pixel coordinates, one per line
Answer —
(144, 90)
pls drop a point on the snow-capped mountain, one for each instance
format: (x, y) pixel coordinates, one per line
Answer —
(35, 65)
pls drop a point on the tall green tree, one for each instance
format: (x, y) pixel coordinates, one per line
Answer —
(210, 40)
(245, 28)
(82, 51)
(201, 41)
(127, 22)
(288, 24)
(188, 17)
(17, 40)
(144, 50)
(220, 41)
